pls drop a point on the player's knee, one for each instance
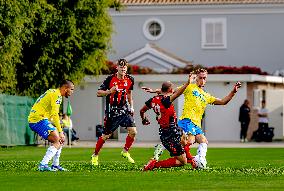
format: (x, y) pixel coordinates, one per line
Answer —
(183, 161)
(54, 138)
(201, 139)
(57, 145)
(132, 133)
(106, 137)
(191, 139)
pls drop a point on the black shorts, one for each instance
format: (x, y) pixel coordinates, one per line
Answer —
(170, 138)
(112, 123)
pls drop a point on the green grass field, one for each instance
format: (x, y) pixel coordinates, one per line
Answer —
(231, 169)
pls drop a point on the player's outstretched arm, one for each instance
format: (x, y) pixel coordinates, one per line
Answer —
(228, 98)
(180, 90)
(145, 120)
(192, 77)
(150, 90)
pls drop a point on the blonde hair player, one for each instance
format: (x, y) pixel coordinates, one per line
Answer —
(195, 102)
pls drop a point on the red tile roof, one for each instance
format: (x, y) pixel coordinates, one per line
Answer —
(198, 2)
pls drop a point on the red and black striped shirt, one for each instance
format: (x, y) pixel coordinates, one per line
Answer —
(164, 109)
(117, 99)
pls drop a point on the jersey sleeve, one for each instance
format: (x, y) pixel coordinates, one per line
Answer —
(54, 113)
(166, 102)
(105, 85)
(210, 98)
(149, 103)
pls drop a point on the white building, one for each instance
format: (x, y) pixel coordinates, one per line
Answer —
(206, 32)
(165, 34)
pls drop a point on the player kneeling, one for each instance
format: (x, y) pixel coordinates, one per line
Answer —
(170, 134)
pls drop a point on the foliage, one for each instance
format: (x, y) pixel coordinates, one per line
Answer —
(43, 42)
(13, 18)
(235, 70)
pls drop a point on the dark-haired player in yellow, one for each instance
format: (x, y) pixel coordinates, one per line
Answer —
(44, 120)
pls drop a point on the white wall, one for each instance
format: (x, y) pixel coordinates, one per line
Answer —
(87, 110)
(255, 35)
(221, 122)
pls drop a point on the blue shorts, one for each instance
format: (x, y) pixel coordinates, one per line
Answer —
(189, 127)
(43, 128)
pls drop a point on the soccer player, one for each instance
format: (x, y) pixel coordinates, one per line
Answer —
(44, 120)
(170, 134)
(195, 102)
(119, 109)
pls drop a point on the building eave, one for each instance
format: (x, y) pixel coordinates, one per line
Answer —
(136, 10)
(211, 78)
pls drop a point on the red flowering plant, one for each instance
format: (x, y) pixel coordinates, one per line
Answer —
(135, 69)
(235, 70)
(221, 70)
(132, 69)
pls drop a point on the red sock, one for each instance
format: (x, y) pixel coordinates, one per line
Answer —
(170, 162)
(187, 151)
(128, 142)
(99, 145)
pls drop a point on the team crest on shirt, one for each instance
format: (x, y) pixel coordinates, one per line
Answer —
(199, 95)
(125, 83)
(58, 101)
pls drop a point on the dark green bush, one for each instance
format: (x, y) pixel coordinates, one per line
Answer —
(43, 42)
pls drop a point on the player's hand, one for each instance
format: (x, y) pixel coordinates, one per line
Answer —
(113, 89)
(237, 86)
(149, 90)
(145, 121)
(62, 137)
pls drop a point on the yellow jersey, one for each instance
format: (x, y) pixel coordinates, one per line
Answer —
(195, 101)
(47, 107)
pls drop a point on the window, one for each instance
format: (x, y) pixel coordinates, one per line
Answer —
(214, 33)
(153, 29)
(258, 96)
